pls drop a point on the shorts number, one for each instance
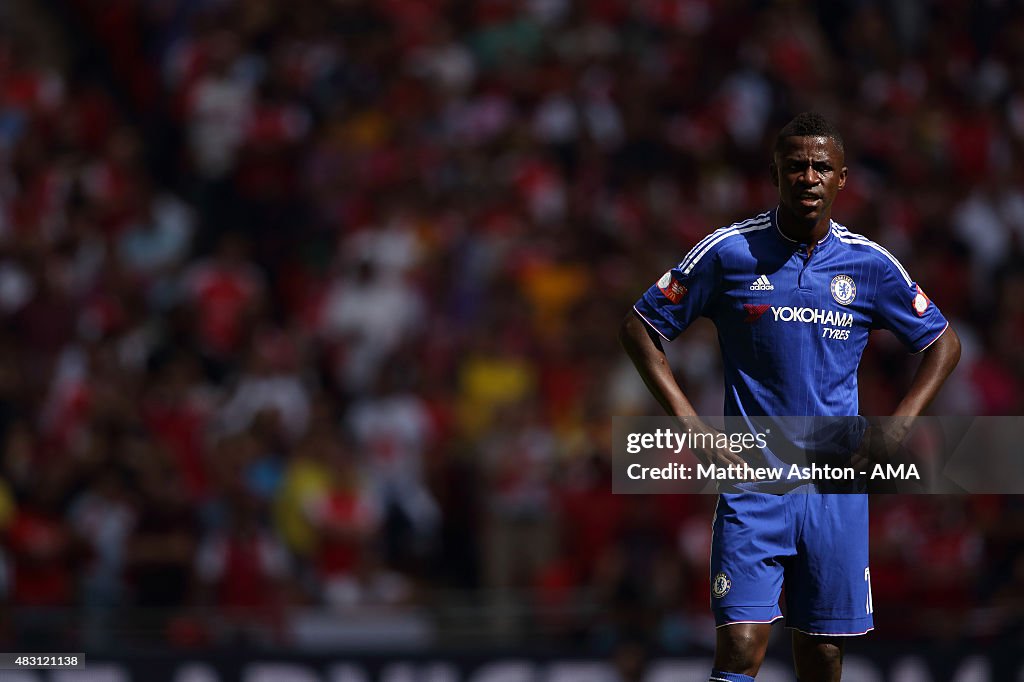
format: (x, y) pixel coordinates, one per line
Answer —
(868, 606)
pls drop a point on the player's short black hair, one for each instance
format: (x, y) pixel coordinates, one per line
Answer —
(809, 124)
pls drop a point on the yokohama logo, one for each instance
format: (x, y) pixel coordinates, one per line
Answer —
(812, 315)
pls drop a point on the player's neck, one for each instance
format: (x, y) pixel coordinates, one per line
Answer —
(802, 231)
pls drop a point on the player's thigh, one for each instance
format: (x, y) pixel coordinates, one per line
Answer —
(740, 647)
(752, 540)
(817, 657)
(828, 590)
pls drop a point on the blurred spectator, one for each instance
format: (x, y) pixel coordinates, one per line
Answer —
(243, 571)
(518, 457)
(162, 546)
(369, 315)
(225, 291)
(494, 373)
(176, 410)
(103, 517)
(393, 430)
(218, 104)
(269, 383)
(306, 479)
(346, 518)
(159, 239)
(43, 550)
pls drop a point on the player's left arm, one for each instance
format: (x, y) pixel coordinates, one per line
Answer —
(902, 307)
(880, 443)
(938, 363)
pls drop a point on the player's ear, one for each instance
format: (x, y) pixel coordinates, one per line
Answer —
(773, 171)
(842, 177)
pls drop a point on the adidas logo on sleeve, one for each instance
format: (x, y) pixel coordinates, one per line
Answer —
(762, 284)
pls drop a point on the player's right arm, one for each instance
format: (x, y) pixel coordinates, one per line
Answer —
(645, 350)
(665, 310)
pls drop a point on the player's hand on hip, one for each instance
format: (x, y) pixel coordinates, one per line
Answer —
(878, 446)
(724, 457)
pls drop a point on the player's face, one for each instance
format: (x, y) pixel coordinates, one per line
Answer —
(809, 172)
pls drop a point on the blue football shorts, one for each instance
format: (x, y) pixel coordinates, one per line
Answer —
(814, 544)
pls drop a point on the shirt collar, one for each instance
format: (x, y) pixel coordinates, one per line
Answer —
(778, 230)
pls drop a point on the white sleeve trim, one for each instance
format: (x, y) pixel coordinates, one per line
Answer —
(648, 323)
(937, 336)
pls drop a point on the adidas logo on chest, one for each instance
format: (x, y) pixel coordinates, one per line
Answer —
(762, 284)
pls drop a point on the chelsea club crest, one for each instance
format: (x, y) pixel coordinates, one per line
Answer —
(843, 289)
(720, 585)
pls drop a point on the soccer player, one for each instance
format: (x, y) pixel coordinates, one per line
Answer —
(794, 296)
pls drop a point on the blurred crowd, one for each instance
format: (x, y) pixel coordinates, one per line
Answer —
(314, 304)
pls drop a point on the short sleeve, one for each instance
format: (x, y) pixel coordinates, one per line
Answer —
(681, 295)
(902, 307)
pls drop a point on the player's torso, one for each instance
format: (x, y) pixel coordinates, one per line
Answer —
(796, 323)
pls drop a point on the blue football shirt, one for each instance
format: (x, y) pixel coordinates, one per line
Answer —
(792, 327)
